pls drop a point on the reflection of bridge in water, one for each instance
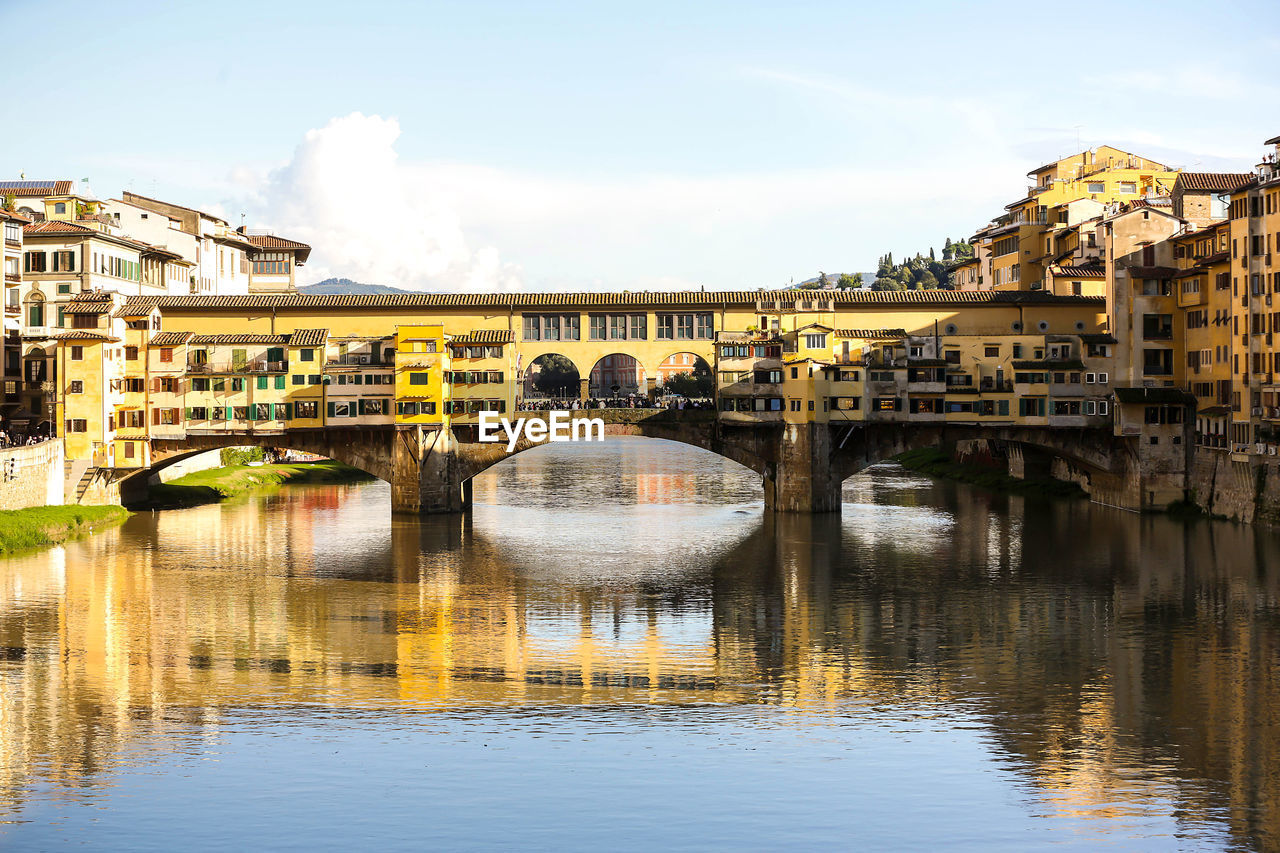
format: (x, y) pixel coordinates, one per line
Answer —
(797, 611)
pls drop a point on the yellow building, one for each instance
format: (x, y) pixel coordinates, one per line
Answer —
(1026, 239)
(1254, 221)
(420, 364)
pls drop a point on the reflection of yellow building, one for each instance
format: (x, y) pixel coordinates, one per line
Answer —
(105, 638)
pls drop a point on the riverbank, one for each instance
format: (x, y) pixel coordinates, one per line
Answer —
(46, 526)
(936, 463)
(217, 484)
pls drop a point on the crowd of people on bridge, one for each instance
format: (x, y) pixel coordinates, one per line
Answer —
(8, 439)
(630, 401)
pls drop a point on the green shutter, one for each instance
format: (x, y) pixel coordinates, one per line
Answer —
(231, 413)
(331, 410)
(279, 383)
(186, 414)
(262, 383)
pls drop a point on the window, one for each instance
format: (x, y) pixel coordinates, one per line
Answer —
(75, 387)
(130, 353)
(1031, 407)
(77, 425)
(991, 351)
(1095, 187)
(307, 355)
(166, 355)
(768, 377)
(684, 327)
(306, 409)
(34, 262)
(419, 379)
(551, 327)
(1127, 187)
(77, 353)
(64, 261)
(815, 341)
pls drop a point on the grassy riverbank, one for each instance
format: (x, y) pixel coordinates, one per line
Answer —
(217, 484)
(43, 526)
(936, 463)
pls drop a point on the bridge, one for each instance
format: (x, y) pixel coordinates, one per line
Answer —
(802, 466)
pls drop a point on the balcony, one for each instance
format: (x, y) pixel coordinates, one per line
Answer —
(991, 386)
(13, 278)
(357, 361)
(255, 366)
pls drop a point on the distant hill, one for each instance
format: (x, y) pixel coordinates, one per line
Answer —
(344, 286)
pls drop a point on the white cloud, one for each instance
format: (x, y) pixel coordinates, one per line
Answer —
(370, 218)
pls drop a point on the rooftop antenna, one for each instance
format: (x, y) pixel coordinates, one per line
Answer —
(1077, 127)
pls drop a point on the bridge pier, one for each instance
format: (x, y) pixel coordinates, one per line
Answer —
(801, 477)
(427, 472)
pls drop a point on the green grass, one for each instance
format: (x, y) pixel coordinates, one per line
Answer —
(42, 526)
(936, 463)
(216, 484)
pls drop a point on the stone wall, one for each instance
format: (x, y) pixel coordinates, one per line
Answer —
(31, 476)
(1247, 491)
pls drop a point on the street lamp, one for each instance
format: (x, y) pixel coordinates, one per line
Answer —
(49, 387)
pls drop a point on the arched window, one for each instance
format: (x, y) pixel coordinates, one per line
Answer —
(60, 207)
(35, 308)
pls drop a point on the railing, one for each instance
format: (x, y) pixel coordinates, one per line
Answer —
(255, 366)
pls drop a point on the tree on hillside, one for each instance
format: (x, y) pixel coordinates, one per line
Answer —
(849, 282)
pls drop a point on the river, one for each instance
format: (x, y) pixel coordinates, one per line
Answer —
(618, 649)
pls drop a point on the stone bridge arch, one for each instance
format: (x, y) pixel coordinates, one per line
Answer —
(368, 449)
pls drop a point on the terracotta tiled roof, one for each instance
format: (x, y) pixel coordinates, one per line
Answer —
(871, 334)
(270, 242)
(137, 306)
(34, 189)
(483, 336)
(678, 299)
(84, 335)
(13, 216)
(308, 337)
(214, 340)
(56, 226)
(1211, 181)
(170, 339)
(94, 307)
(1090, 271)
(1275, 140)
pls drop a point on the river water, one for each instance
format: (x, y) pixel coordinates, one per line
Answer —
(617, 649)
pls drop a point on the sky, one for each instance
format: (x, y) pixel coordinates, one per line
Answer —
(478, 146)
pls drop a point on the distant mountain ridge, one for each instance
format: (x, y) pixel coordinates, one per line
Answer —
(345, 286)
